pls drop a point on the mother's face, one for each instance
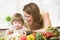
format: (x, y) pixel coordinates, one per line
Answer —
(29, 18)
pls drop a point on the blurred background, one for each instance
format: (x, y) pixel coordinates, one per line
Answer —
(9, 7)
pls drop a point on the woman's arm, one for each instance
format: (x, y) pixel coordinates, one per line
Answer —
(47, 22)
(46, 19)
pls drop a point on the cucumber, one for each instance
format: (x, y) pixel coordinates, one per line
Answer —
(39, 36)
(54, 38)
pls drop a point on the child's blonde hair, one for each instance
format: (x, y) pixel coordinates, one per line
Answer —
(17, 17)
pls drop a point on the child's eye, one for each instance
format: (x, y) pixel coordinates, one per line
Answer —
(15, 22)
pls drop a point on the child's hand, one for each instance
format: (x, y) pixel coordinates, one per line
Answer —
(9, 32)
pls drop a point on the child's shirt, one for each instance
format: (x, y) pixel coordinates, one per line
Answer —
(21, 31)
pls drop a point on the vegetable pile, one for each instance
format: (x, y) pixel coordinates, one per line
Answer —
(50, 34)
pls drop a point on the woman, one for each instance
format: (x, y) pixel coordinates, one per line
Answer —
(34, 18)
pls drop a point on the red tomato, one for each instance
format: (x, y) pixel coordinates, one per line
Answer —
(43, 33)
(23, 38)
(49, 35)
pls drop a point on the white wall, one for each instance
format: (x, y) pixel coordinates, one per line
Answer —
(53, 7)
(9, 7)
(50, 6)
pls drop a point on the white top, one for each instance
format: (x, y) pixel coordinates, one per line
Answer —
(19, 32)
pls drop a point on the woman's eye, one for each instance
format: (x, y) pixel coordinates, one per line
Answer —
(27, 16)
(19, 22)
(15, 22)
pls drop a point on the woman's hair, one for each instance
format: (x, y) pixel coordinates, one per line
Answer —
(17, 17)
(33, 10)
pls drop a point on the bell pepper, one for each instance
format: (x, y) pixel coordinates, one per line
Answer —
(30, 37)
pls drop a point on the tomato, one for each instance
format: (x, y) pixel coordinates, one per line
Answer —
(23, 38)
(47, 34)
(44, 33)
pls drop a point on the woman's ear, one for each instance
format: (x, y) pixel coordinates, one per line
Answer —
(46, 19)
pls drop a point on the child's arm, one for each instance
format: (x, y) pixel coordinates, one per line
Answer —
(24, 30)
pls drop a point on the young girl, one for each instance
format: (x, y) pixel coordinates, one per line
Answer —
(17, 25)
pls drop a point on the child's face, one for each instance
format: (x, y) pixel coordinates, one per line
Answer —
(17, 24)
